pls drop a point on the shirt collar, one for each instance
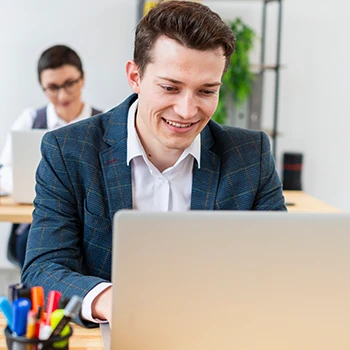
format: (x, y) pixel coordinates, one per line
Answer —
(55, 121)
(135, 148)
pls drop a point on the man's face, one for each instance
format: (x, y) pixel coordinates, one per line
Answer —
(63, 87)
(178, 94)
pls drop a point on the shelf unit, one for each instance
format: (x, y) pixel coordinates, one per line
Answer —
(255, 103)
(276, 67)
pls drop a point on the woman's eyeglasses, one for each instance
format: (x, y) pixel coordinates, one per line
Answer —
(70, 87)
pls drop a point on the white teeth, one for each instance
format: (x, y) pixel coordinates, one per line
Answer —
(177, 124)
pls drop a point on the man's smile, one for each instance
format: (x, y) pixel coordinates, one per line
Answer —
(178, 125)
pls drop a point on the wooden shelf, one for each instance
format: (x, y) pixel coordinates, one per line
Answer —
(257, 66)
(270, 133)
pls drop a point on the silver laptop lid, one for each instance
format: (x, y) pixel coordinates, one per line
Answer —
(231, 280)
(25, 159)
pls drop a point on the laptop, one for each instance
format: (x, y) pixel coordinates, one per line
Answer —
(25, 159)
(230, 280)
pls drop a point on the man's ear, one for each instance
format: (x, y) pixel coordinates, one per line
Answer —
(133, 76)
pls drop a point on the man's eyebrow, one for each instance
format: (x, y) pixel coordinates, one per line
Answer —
(216, 83)
(174, 81)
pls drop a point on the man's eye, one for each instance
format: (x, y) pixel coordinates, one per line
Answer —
(208, 92)
(168, 88)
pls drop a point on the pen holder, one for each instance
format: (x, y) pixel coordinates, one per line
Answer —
(15, 342)
(292, 167)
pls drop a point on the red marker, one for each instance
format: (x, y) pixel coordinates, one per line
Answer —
(52, 304)
(38, 317)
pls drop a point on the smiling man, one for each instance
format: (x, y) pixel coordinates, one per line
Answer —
(158, 150)
(178, 93)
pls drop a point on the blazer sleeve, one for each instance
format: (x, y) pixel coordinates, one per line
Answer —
(54, 258)
(269, 195)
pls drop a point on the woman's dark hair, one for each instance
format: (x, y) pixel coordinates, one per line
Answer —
(57, 56)
(191, 24)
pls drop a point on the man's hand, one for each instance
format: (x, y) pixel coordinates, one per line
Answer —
(102, 306)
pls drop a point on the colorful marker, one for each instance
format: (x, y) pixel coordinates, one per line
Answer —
(52, 304)
(20, 309)
(6, 309)
(37, 294)
(31, 321)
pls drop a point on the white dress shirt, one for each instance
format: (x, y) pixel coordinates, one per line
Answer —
(153, 190)
(25, 122)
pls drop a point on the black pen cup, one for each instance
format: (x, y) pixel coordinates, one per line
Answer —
(292, 168)
(15, 342)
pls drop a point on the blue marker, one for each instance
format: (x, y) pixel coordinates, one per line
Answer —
(20, 308)
(6, 309)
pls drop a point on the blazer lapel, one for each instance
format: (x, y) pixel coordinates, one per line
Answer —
(117, 177)
(116, 173)
(206, 179)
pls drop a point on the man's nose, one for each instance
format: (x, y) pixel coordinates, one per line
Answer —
(186, 106)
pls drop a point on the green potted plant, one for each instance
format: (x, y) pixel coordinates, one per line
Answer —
(238, 80)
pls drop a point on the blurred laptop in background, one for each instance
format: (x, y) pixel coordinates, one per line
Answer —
(25, 159)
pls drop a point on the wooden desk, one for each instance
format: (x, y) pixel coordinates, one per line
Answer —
(90, 339)
(302, 203)
(13, 212)
(82, 338)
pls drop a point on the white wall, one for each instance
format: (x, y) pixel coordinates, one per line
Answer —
(315, 103)
(314, 98)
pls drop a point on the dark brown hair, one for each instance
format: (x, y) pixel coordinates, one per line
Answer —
(56, 57)
(191, 24)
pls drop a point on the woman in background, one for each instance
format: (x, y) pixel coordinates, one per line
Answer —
(61, 76)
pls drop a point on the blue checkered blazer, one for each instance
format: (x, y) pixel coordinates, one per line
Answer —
(83, 179)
